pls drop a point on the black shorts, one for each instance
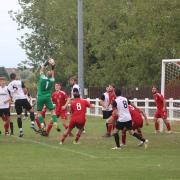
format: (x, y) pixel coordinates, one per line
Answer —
(21, 104)
(123, 125)
(4, 112)
(106, 114)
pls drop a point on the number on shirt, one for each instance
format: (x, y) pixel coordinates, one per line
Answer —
(47, 84)
(125, 104)
(78, 105)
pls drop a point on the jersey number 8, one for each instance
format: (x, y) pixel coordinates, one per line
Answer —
(78, 105)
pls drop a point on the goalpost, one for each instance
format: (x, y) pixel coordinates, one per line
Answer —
(170, 84)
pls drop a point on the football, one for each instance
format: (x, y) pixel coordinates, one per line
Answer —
(51, 62)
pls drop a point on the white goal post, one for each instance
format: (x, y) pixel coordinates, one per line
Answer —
(170, 86)
(170, 78)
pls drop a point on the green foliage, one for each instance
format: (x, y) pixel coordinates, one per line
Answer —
(124, 40)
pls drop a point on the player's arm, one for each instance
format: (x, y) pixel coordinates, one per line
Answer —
(52, 63)
(24, 88)
(112, 119)
(102, 103)
(68, 100)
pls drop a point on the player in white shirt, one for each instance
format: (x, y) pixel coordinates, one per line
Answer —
(73, 83)
(106, 100)
(18, 92)
(4, 105)
(124, 121)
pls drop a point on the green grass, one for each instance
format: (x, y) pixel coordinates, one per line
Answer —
(35, 157)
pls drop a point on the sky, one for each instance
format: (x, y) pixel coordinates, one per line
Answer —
(10, 51)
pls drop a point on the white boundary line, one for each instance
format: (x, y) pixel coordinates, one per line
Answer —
(56, 147)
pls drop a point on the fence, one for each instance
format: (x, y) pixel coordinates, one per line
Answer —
(147, 105)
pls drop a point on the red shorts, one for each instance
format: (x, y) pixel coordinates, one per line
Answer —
(160, 114)
(78, 124)
(137, 125)
(62, 114)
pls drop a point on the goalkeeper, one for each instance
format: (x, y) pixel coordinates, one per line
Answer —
(45, 87)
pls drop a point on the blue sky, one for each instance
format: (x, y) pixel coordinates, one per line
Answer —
(11, 52)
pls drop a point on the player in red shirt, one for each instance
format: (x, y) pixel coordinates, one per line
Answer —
(137, 121)
(61, 100)
(78, 116)
(161, 111)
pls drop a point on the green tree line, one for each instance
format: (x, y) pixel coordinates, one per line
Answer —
(124, 40)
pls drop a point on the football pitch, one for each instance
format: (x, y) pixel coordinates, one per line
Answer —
(35, 157)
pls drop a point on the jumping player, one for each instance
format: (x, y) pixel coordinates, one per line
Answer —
(18, 92)
(78, 116)
(161, 110)
(45, 87)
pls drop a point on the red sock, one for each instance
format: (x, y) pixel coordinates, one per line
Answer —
(6, 126)
(65, 135)
(50, 125)
(78, 135)
(168, 126)
(110, 126)
(4, 118)
(65, 126)
(156, 124)
(124, 136)
(38, 123)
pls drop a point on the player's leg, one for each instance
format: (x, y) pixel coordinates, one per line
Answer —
(40, 105)
(27, 106)
(66, 133)
(49, 126)
(5, 118)
(19, 109)
(80, 127)
(156, 122)
(50, 106)
(135, 134)
(116, 135)
(64, 120)
(166, 122)
(123, 137)
(37, 121)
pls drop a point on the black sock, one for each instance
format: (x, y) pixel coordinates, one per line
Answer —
(138, 137)
(19, 122)
(11, 127)
(32, 116)
(116, 138)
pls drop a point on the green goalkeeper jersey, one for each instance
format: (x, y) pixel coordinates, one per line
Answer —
(45, 86)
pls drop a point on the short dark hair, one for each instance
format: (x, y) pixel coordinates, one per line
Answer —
(118, 92)
(76, 93)
(12, 76)
(74, 78)
(155, 87)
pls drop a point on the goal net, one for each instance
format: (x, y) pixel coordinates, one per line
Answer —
(170, 86)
